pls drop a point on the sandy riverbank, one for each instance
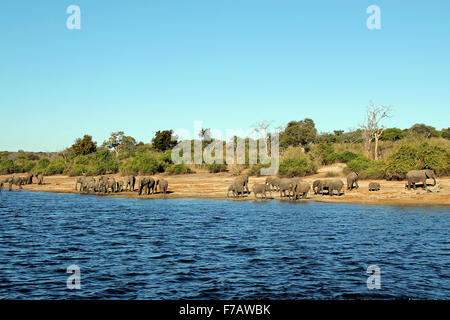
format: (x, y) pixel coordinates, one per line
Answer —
(214, 186)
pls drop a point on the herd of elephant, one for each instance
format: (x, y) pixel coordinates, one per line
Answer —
(20, 181)
(293, 188)
(296, 188)
(146, 185)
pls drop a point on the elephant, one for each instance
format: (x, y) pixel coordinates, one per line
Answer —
(415, 176)
(243, 180)
(163, 185)
(331, 185)
(130, 181)
(236, 189)
(40, 179)
(316, 185)
(261, 189)
(82, 181)
(352, 179)
(111, 185)
(119, 186)
(300, 189)
(29, 178)
(374, 186)
(276, 184)
(18, 181)
(91, 185)
(146, 184)
(270, 181)
(285, 185)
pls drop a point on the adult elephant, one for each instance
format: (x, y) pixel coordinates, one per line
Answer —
(146, 184)
(317, 185)
(332, 185)
(40, 179)
(236, 189)
(129, 183)
(242, 180)
(285, 187)
(300, 190)
(352, 180)
(29, 178)
(262, 190)
(163, 185)
(419, 176)
(111, 185)
(18, 181)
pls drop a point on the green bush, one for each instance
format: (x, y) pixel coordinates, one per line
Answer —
(324, 154)
(41, 166)
(6, 166)
(346, 156)
(178, 169)
(216, 167)
(141, 165)
(76, 170)
(255, 170)
(446, 133)
(55, 167)
(423, 156)
(296, 166)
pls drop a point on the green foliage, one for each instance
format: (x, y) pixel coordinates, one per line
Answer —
(446, 133)
(163, 140)
(294, 163)
(392, 134)
(422, 156)
(255, 170)
(119, 142)
(298, 133)
(323, 153)
(178, 169)
(142, 164)
(423, 130)
(6, 166)
(366, 168)
(216, 167)
(83, 146)
(346, 156)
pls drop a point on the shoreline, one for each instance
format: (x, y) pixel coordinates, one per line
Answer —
(214, 187)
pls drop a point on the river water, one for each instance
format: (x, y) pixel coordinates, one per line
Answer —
(215, 249)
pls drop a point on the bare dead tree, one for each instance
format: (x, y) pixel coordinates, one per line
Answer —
(262, 127)
(372, 127)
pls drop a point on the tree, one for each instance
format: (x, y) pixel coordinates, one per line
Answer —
(163, 140)
(424, 130)
(299, 133)
(392, 134)
(446, 133)
(118, 141)
(372, 128)
(83, 146)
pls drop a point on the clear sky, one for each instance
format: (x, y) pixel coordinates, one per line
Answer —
(142, 66)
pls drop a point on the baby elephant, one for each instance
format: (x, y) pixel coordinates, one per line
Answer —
(163, 185)
(374, 186)
(236, 189)
(261, 189)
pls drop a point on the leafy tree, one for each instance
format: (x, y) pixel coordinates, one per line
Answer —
(392, 134)
(424, 130)
(446, 133)
(299, 133)
(83, 146)
(163, 140)
(118, 141)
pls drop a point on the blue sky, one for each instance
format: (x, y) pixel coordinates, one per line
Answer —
(142, 66)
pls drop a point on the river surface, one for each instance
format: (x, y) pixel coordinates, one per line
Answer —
(215, 249)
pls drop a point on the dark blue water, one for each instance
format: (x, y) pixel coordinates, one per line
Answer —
(208, 249)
